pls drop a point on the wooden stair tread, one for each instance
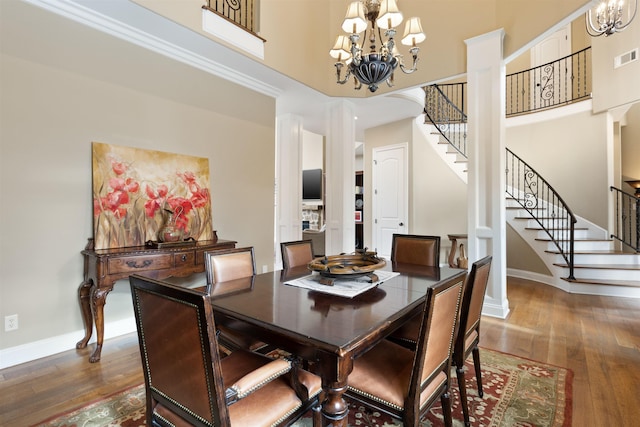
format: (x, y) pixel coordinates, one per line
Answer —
(593, 252)
(542, 229)
(584, 239)
(633, 283)
(601, 266)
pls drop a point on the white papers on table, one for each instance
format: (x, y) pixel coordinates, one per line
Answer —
(348, 288)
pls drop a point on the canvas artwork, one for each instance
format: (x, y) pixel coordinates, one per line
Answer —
(135, 191)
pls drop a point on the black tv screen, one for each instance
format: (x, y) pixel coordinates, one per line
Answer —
(312, 184)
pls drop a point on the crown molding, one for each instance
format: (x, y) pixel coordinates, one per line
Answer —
(85, 15)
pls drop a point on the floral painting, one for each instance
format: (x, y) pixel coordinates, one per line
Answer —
(135, 191)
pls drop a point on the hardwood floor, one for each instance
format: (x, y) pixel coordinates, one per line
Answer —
(597, 337)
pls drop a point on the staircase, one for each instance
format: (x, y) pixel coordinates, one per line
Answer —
(599, 267)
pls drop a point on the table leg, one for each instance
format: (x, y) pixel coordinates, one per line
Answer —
(334, 373)
(98, 299)
(84, 297)
(452, 253)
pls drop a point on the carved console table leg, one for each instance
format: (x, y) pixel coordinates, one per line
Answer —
(454, 246)
(84, 297)
(98, 299)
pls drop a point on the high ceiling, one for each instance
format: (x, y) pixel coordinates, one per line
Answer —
(83, 36)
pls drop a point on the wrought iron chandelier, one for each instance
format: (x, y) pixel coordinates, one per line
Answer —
(378, 64)
(611, 16)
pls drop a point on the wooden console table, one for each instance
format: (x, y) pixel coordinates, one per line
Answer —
(454, 246)
(103, 267)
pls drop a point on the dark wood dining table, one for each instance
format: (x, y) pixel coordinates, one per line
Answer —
(329, 331)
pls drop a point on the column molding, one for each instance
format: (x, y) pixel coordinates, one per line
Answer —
(340, 177)
(486, 227)
(288, 185)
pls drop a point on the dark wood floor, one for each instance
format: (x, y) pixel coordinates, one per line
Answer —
(597, 337)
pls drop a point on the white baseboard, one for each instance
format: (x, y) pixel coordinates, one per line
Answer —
(35, 350)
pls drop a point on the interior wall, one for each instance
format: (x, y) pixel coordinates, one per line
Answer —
(615, 87)
(631, 147)
(48, 119)
(437, 196)
(569, 153)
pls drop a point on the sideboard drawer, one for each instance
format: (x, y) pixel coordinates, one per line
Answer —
(140, 263)
(185, 259)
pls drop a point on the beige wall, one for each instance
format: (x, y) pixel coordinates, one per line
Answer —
(437, 196)
(615, 87)
(570, 154)
(300, 33)
(631, 147)
(49, 117)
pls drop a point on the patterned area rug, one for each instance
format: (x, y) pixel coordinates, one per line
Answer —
(517, 392)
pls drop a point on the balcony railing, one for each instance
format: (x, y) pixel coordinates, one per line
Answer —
(557, 83)
(627, 219)
(240, 12)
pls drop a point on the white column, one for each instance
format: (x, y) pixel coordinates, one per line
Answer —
(340, 178)
(288, 191)
(486, 154)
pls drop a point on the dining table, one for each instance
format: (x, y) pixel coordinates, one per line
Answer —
(327, 331)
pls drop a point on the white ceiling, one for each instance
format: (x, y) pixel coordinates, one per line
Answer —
(135, 36)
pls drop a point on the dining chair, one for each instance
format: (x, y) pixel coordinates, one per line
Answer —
(468, 336)
(296, 253)
(415, 249)
(224, 268)
(405, 383)
(186, 380)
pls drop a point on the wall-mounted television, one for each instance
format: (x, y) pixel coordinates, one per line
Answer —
(312, 184)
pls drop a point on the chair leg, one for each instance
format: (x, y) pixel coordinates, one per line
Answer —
(463, 394)
(476, 365)
(446, 408)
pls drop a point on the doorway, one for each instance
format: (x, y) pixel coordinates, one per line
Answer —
(390, 179)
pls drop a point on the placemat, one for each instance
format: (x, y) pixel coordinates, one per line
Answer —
(348, 288)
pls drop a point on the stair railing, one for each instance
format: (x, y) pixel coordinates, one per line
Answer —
(534, 194)
(627, 219)
(445, 108)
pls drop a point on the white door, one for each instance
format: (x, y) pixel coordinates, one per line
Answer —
(390, 195)
(551, 84)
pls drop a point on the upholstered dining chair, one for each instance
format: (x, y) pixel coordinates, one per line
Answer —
(405, 383)
(224, 268)
(415, 249)
(187, 382)
(469, 331)
(296, 253)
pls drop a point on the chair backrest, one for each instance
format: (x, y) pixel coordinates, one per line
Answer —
(437, 332)
(473, 298)
(180, 359)
(229, 264)
(415, 249)
(296, 253)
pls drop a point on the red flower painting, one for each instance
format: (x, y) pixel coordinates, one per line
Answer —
(134, 189)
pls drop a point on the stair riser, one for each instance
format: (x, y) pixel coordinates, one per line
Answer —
(630, 260)
(585, 246)
(578, 234)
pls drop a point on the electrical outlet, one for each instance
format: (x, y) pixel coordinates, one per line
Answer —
(11, 322)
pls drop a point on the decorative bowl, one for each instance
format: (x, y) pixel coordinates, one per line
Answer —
(347, 266)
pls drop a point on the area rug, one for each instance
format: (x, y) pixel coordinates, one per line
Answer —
(517, 392)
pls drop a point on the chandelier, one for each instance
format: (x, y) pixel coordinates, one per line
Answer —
(378, 64)
(610, 17)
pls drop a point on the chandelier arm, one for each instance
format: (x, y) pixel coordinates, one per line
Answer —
(635, 10)
(414, 53)
(357, 84)
(339, 66)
